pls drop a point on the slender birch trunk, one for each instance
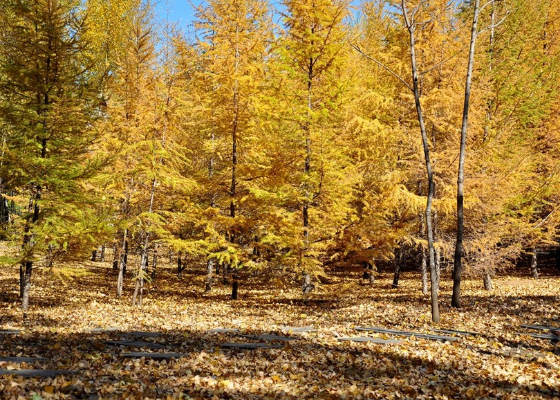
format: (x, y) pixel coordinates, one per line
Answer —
(210, 262)
(209, 275)
(154, 262)
(423, 258)
(307, 286)
(437, 253)
(26, 266)
(411, 26)
(457, 264)
(139, 287)
(487, 276)
(234, 160)
(122, 263)
(424, 272)
(487, 281)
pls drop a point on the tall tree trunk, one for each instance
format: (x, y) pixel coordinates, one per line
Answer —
(26, 285)
(490, 101)
(308, 286)
(122, 263)
(423, 261)
(102, 256)
(180, 267)
(457, 264)
(399, 263)
(26, 266)
(487, 280)
(411, 26)
(154, 262)
(437, 250)
(21, 279)
(234, 285)
(209, 275)
(94, 255)
(438, 266)
(139, 287)
(116, 256)
(534, 264)
(49, 258)
(210, 262)
(225, 272)
(369, 272)
(424, 272)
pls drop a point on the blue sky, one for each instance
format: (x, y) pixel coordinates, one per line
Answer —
(178, 12)
(181, 12)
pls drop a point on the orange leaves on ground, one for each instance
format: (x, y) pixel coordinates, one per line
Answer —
(499, 363)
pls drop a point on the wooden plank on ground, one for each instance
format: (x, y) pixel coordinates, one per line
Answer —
(32, 373)
(9, 332)
(134, 343)
(297, 329)
(456, 332)
(369, 339)
(548, 336)
(106, 330)
(141, 334)
(153, 356)
(270, 337)
(224, 330)
(22, 359)
(408, 334)
(542, 327)
(251, 346)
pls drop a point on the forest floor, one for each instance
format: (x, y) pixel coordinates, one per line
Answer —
(499, 363)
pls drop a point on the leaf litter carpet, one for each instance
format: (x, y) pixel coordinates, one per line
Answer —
(73, 325)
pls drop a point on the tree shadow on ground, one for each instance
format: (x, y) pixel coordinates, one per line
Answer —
(343, 366)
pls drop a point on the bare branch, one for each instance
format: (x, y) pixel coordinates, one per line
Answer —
(538, 225)
(386, 68)
(496, 24)
(486, 4)
(405, 15)
(442, 62)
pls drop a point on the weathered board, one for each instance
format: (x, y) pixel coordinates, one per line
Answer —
(456, 332)
(297, 329)
(9, 332)
(549, 336)
(542, 327)
(106, 330)
(153, 356)
(408, 334)
(270, 337)
(251, 346)
(32, 373)
(223, 330)
(134, 343)
(22, 359)
(141, 334)
(369, 339)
